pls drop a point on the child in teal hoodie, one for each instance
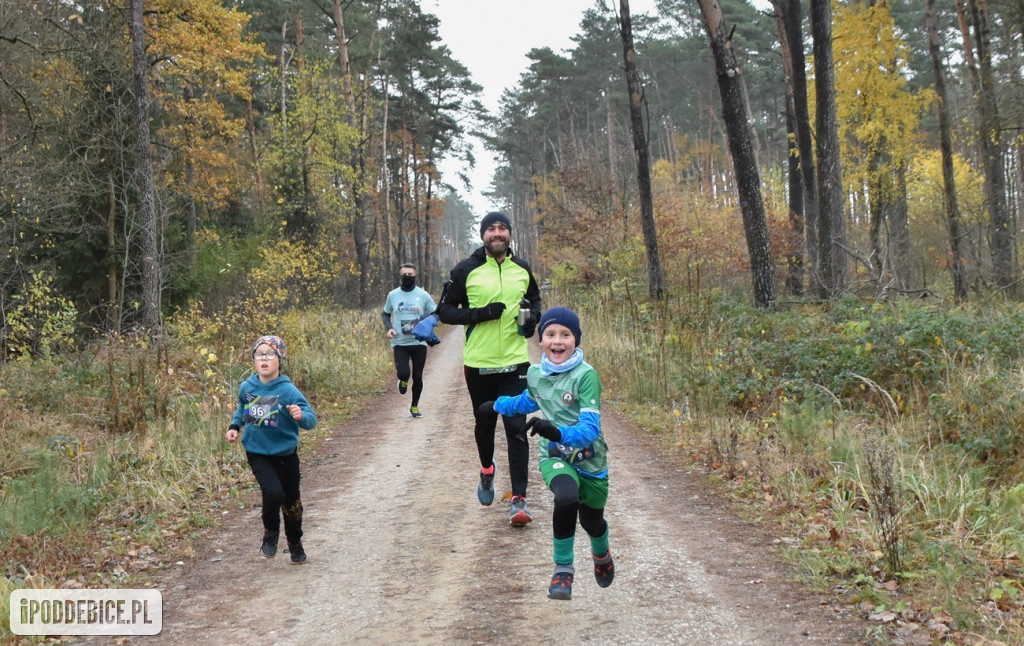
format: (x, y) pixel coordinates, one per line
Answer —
(273, 410)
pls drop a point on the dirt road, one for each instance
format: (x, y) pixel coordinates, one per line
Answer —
(400, 551)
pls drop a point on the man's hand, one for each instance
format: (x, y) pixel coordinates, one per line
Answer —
(488, 312)
(486, 410)
(544, 428)
(530, 326)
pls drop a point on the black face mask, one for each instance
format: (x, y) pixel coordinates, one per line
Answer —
(408, 282)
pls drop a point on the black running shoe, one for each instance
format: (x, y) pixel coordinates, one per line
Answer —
(269, 546)
(298, 554)
(561, 583)
(403, 386)
(604, 569)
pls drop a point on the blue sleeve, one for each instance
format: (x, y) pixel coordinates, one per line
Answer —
(239, 416)
(583, 433)
(519, 405)
(309, 418)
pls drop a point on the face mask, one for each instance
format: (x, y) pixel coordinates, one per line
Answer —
(408, 282)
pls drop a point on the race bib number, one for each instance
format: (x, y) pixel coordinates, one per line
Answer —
(262, 411)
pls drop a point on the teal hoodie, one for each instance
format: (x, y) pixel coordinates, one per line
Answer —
(268, 426)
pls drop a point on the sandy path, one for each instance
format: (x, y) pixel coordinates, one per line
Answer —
(401, 552)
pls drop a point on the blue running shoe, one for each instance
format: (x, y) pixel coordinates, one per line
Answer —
(485, 490)
(518, 514)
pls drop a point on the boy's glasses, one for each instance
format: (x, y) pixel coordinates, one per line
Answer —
(266, 356)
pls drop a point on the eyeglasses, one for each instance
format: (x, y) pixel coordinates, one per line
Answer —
(266, 356)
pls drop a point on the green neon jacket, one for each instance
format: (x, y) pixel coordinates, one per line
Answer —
(476, 282)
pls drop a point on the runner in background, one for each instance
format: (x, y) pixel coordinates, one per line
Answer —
(405, 306)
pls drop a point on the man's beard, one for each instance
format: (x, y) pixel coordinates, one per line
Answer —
(496, 247)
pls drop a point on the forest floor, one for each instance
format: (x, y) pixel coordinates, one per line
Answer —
(400, 551)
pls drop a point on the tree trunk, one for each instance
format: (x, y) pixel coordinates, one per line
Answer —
(283, 80)
(191, 217)
(744, 159)
(790, 12)
(113, 309)
(899, 220)
(387, 247)
(989, 139)
(877, 210)
(655, 287)
(148, 224)
(796, 262)
(253, 152)
(831, 222)
(356, 162)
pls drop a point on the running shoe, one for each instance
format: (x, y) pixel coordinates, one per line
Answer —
(415, 412)
(604, 569)
(298, 554)
(561, 583)
(402, 386)
(518, 514)
(485, 490)
(269, 546)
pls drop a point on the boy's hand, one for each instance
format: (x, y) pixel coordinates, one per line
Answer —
(544, 428)
(294, 411)
(486, 410)
(231, 435)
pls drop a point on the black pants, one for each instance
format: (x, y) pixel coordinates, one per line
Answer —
(278, 477)
(489, 387)
(418, 355)
(568, 507)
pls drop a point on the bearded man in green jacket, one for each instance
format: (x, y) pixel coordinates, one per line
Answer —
(485, 293)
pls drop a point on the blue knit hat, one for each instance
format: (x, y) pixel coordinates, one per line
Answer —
(562, 316)
(491, 218)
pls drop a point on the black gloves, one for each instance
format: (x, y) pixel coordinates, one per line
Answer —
(530, 326)
(486, 410)
(544, 428)
(488, 312)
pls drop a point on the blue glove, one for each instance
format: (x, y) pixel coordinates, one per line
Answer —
(424, 330)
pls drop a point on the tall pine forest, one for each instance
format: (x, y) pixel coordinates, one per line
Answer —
(229, 156)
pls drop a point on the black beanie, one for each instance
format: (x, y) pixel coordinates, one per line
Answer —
(491, 218)
(562, 316)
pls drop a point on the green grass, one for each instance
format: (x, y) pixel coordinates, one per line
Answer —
(108, 452)
(116, 448)
(881, 435)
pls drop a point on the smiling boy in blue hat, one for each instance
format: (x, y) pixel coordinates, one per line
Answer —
(573, 452)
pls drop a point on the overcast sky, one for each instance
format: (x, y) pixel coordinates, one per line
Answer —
(491, 38)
